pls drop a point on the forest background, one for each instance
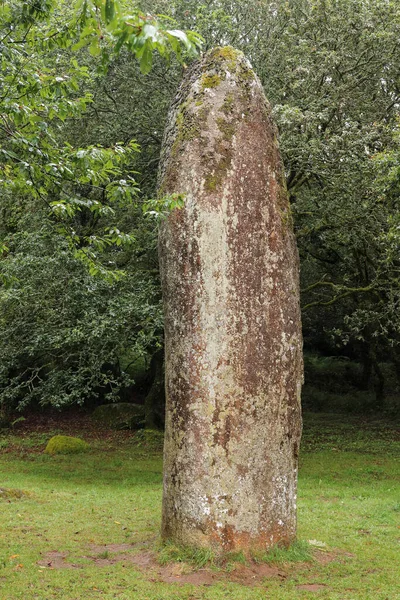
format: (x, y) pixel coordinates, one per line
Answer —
(84, 95)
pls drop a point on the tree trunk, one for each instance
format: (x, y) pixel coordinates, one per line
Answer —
(367, 366)
(229, 267)
(380, 382)
(155, 399)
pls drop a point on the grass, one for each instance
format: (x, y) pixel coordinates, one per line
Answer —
(198, 557)
(300, 551)
(79, 505)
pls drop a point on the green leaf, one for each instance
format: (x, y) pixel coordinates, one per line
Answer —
(109, 11)
(146, 59)
(94, 48)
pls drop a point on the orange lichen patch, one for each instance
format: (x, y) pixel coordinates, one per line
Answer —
(231, 540)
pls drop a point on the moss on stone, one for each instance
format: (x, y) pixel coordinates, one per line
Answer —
(192, 114)
(244, 74)
(65, 444)
(228, 104)
(215, 179)
(210, 81)
(226, 128)
(227, 54)
(187, 124)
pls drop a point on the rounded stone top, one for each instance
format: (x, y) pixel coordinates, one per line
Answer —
(212, 101)
(225, 62)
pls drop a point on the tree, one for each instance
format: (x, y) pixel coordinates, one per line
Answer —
(330, 70)
(38, 99)
(64, 335)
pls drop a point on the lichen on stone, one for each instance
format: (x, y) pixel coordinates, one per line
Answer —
(227, 128)
(214, 179)
(210, 81)
(228, 54)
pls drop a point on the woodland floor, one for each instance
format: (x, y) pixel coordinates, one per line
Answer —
(86, 526)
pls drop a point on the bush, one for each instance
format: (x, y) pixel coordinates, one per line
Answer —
(121, 415)
(356, 401)
(64, 444)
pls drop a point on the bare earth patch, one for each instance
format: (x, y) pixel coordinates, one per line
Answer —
(57, 560)
(181, 573)
(251, 574)
(324, 557)
(311, 587)
(111, 548)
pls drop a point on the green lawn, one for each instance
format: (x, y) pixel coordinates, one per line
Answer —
(79, 506)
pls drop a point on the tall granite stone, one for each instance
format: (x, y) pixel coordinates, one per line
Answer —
(229, 268)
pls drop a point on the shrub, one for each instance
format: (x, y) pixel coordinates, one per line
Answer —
(64, 444)
(121, 415)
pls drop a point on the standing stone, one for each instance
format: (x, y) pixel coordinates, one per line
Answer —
(229, 268)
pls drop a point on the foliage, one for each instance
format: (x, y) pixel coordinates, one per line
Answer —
(41, 92)
(63, 206)
(330, 70)
(104, 26)
(65, 444)
(63, 331)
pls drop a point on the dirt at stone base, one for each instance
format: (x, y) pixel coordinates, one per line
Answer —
(250, 574)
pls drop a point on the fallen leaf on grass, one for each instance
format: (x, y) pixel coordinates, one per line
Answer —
(317, 543)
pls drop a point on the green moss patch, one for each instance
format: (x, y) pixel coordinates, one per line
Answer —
(214, 180)
(225, 54)
(210, 81)
(226, 128)
(64, 444)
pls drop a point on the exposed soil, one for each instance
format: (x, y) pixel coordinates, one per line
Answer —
(111, 548)
(324, 557)
(250, 574)
(57, 560)
(311, 587)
